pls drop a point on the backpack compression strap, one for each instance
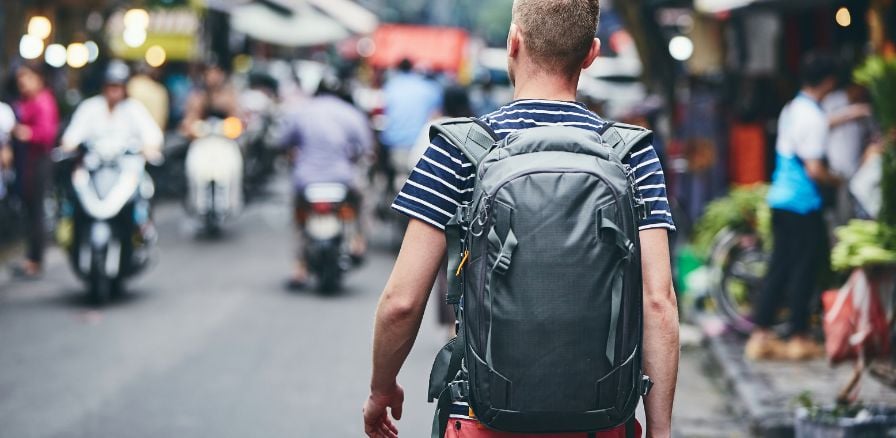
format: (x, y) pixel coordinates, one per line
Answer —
(622, 137)
(472, 136)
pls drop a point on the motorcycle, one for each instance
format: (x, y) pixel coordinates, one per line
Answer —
(104, 214)
(327, 216)
(214, 170)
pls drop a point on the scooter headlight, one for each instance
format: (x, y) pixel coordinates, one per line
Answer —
(100, 234)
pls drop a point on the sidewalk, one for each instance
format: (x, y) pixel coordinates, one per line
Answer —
(766, 391)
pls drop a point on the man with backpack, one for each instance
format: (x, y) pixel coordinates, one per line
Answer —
(555, 223)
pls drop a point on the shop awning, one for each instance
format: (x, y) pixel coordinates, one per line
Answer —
(298, 26)
(719, 6)
(356, 18)
(300, 23)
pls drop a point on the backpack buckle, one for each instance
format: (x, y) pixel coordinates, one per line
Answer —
(460, 390)
(645, 386)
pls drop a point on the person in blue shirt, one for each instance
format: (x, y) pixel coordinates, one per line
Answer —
(411, 101)
(798, 227)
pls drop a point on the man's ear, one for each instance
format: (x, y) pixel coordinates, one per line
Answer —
(514, 40)
(593, 53)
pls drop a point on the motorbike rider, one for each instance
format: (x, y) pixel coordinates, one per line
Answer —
(113, 112)
(113, 109)
(215, 97)
(327, 137)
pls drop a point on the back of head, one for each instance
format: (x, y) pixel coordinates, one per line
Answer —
(457, 102)
(816, 68)
(557, 34)
(405, 65)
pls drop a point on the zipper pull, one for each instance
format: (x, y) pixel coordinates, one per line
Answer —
(463, 262)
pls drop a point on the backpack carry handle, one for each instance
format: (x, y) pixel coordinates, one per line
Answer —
(472, 136)
(622, 137)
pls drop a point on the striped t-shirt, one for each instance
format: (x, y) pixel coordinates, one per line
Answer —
(443, 178)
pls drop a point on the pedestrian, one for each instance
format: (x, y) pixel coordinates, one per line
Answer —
(549, 44)
(851, 130)
(7, 123)
(801, 248)
(34, 137)
(145, 87)
(411, 101)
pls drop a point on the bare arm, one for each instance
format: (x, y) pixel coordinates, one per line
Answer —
(398, 319)
(820, 173)
(660, 331)
(192, 113)
(848, 114)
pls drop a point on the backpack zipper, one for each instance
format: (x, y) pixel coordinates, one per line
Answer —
(637, 198)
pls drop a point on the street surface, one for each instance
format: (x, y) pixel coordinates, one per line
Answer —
(209, 344)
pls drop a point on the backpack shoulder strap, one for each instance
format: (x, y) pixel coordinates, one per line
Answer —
(623, 137)
(472, 136)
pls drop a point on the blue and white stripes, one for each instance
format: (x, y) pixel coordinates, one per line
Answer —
(443, 179)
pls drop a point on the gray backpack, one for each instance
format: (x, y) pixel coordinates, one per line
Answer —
(544, 271)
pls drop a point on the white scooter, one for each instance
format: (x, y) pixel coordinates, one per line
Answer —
(105, 214)
(214, 171)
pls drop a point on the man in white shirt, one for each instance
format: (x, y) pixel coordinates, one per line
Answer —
(113, 112)
(800, 238)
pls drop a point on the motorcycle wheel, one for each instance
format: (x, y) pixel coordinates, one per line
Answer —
(330, 280)
(99, 285)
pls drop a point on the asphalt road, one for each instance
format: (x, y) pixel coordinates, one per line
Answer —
(209, 344)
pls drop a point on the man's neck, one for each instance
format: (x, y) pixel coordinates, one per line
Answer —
(543, 87)
(813, 93)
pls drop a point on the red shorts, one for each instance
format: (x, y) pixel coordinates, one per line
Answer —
(462, 428)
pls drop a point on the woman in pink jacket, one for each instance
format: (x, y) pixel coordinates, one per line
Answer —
(35, 136)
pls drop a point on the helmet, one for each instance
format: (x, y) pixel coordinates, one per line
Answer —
(117, 73)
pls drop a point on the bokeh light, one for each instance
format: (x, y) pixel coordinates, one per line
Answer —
(136, 18)
(134, 36)
(55, 55)
(30, 47)
(155, 56)
(843, 17)
(77, 55)
(93, 51)
(40, 27)
(681, 48)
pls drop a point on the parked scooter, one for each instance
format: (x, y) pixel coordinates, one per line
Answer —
(214, 170)
(327, 218)
(104, 214)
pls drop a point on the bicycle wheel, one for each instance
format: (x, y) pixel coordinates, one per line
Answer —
(739, 264)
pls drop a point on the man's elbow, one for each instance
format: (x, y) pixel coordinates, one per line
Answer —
(661, 303)
(395, 309)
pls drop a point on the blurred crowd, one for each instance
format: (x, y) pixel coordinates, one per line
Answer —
(330, 125)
